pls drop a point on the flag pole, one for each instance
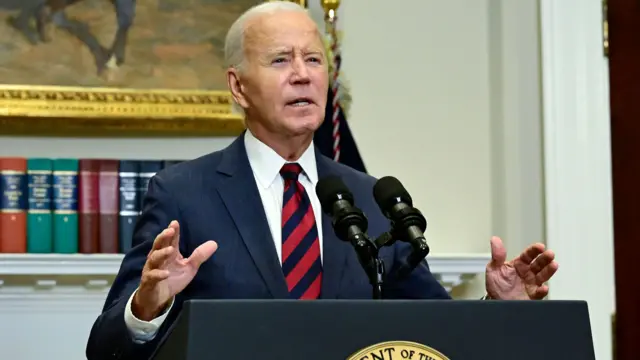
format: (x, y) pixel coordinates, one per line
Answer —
(331, 17)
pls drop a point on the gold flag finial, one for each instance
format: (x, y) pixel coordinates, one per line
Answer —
(338, 84)
(330, 8)
(330, 5)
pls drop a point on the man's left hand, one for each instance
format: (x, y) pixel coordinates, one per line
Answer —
(522, 278)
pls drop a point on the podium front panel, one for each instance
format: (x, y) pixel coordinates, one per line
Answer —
(380, 330)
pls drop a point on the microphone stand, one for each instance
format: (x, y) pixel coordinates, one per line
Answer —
(350, 225)
(419, 251)
(373, 266)
(368, 254)
(378, 281)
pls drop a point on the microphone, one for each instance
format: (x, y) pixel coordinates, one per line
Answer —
(407, 223)
(349, 222)
(350, 225)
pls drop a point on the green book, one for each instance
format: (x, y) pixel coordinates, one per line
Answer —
(65, 206)
(39, 218)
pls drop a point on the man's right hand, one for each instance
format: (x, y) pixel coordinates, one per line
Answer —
(166, 272)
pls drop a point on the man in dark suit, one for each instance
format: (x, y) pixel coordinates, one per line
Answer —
(245, 223)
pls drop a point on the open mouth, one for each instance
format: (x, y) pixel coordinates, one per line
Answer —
(299, 102)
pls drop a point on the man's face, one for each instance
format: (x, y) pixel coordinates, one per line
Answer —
(285, 78)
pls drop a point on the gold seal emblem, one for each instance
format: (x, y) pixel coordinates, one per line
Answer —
(392, 350)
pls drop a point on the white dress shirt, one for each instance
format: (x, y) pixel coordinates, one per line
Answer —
(266, 165)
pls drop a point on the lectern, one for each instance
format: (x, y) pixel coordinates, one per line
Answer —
(379, 330)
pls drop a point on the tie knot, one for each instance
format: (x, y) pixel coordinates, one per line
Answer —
(290, 171)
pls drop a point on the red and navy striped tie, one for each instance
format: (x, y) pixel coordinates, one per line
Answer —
(301, 263)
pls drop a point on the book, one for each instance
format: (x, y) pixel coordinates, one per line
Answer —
(72, 205)
(108, 196)
(88, 206)
(129, 203)
(13, 205)
(65, 206)
(40, 206)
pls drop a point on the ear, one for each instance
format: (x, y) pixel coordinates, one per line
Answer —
(236, 87)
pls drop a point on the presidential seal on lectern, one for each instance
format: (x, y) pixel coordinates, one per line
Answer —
(396, 350)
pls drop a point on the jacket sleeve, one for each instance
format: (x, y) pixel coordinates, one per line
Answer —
(419, 284)
(109, 337)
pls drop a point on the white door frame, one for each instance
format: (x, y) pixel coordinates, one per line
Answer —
(577, 161)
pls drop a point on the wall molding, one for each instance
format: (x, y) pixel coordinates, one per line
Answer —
(60, 264)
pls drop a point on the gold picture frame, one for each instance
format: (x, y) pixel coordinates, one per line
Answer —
(111, 111)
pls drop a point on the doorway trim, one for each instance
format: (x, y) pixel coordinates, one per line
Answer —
(577, 160)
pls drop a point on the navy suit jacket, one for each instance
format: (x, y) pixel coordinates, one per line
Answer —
(215, 197)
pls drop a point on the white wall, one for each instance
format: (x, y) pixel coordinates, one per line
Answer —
(516, 116)
(131, 148)
(421, 108)
(446, 98)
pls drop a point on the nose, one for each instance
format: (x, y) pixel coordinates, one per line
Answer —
(300, 71)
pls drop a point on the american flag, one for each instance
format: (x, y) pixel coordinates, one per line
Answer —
(334, 137)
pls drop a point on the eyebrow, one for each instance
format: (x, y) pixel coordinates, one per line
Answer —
(287, 51)
(279, 51)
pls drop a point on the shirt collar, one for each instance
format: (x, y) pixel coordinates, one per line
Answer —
(266, 163)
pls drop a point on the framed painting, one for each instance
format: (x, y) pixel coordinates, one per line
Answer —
(116, 67)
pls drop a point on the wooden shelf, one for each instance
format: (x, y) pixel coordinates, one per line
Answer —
(59, 264)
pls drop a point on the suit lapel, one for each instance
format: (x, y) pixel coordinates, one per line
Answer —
(335, 251)
(240, 195)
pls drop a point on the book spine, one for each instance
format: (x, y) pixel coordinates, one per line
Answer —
(129, 209)
(88, 207)
(65, 206)
(109, 195)
(39, 216)
(13, 205)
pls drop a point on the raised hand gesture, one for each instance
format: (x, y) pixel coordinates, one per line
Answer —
(522, 278)
(166, 272)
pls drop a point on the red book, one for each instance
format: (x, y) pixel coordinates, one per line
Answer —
(88, 206)
(13, 205)
(109, 196)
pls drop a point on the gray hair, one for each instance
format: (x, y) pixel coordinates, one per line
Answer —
(233, 46)
(234, 42)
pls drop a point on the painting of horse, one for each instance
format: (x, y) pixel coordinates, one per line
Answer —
(136, 44)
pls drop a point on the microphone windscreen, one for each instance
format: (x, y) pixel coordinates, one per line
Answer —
(388, 190)
(329, 190)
